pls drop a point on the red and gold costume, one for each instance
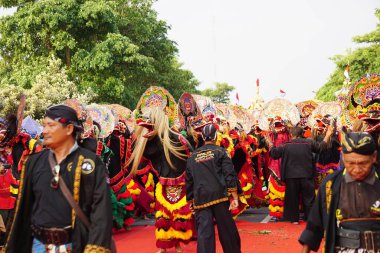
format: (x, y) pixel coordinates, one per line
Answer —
(276, 186)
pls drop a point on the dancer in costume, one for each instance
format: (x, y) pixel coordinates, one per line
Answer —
(245, 150)
(277, 116)
(7, 189)
(18, 147)
(168, 152)
(327, 160)
(278, 136)
(120, 144)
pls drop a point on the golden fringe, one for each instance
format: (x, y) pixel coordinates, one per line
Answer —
(160, 214)
(328, 195)
(276, 209)
(181, 216)
(90, 248)
(219, 139)
(161, 234)
(247, 187)
(149, 181)
(131, 184)
(76, 190)
(171, 207)
(275, 192)
(13, 190)
(32, 142)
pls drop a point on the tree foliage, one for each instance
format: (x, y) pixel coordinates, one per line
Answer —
(50, 87)
(117, 48)
(221, 93)
(363, 60)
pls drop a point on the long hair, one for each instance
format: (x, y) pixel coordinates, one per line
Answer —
(161, 126)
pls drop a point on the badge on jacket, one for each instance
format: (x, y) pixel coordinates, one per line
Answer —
(88, 166)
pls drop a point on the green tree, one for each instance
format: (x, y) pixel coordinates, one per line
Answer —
(50, 87)
(363, 60)
(117, 48)
(221, 93)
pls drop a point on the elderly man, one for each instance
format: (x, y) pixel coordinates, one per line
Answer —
(346, 211)
(44, 219)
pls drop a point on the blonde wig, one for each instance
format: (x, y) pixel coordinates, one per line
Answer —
(160, 121)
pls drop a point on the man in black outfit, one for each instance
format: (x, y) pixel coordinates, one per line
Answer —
(44, 219)
(297, 171)
(210, 182)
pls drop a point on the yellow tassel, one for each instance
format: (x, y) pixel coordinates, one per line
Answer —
(149, 181)
(180, 216)
(276, 209)
(160, 214)
(132, 184)
(275, 192)
(161, 234)
(247, 187)
(219, 139)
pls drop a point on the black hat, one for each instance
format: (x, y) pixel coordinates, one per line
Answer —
(209, 132)
(63, 114)
(357, 142)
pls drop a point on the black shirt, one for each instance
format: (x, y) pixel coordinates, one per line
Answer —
(297, 157)
(50, 208)
(210, 175)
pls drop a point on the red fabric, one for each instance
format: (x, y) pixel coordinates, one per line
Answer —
(6, 200)
(173, 181)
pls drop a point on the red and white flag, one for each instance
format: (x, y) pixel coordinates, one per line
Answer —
(346, 72)
(257, 82)
(282, 93)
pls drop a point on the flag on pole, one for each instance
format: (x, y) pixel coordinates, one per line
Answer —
(282, 93)
(237, 97)
(257, 82)
(346, 72)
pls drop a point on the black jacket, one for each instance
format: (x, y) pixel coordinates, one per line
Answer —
(297, 157)
(210, 176)
(94, 200)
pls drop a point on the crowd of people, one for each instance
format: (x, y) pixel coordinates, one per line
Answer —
(69, 188)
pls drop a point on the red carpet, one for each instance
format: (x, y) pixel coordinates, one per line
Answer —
(278, 237)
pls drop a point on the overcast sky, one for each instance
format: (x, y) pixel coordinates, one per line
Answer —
(286, 44)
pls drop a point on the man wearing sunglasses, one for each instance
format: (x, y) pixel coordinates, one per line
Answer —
(44, 219)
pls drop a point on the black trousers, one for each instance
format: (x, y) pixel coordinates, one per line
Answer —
(228, 233)
(295, 188)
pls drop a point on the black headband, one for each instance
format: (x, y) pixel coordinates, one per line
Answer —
(63, 114)
(357, 142)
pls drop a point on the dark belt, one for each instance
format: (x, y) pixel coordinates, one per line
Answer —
(56, 236)
(352, 239)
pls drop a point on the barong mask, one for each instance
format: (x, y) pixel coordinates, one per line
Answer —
(371, 117)
(278, 125)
